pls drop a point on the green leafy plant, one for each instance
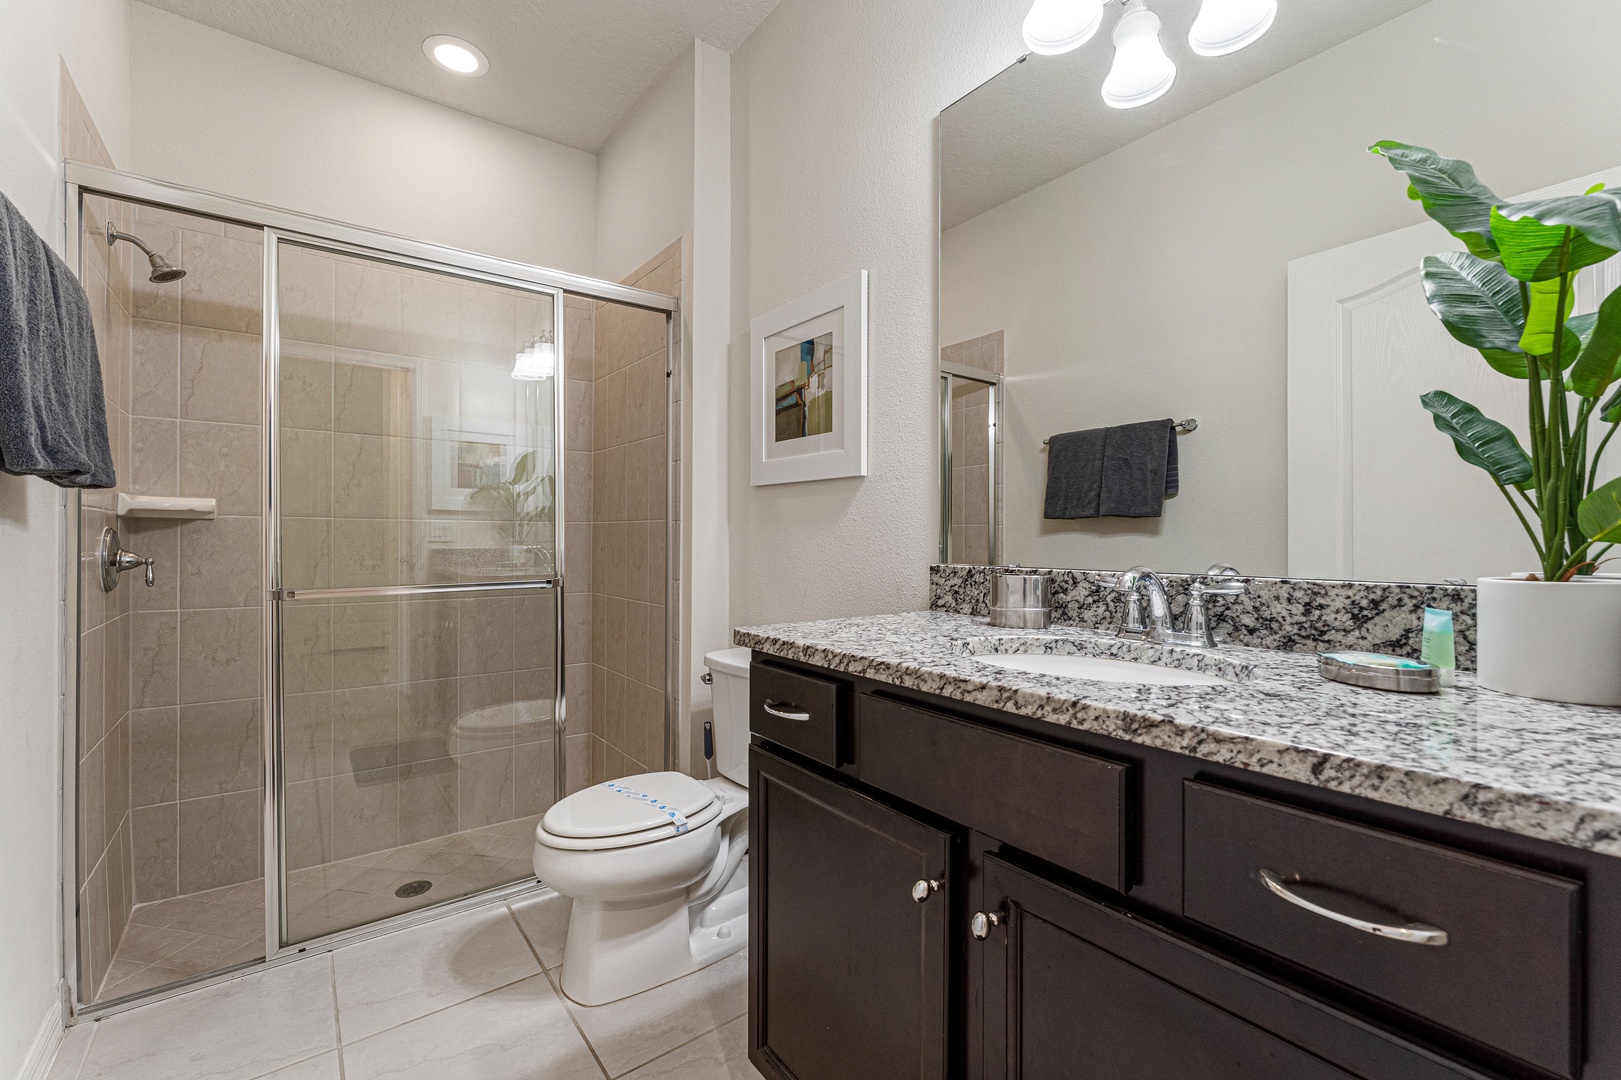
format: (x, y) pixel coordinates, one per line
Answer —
(522, 501)
(1511, 296)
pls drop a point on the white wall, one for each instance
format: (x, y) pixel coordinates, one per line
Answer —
(91, 36)
(707, 551)
(833, 150)
(217, 112)
(644, 175)
(1152, 282)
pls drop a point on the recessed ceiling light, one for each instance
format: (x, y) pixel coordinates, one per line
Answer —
(455, 55)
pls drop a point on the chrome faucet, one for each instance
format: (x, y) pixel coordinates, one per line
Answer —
(1156, 624)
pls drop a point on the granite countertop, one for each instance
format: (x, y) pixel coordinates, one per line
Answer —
(1539, 769)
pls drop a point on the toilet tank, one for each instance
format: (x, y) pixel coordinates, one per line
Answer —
(730, 671)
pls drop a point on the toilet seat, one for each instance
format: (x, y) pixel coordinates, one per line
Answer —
(629, 812)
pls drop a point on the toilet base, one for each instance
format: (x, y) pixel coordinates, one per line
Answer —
(619, 948)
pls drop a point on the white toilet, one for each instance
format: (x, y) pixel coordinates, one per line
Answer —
(652, 862)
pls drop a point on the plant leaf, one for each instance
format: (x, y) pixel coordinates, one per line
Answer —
(1480, 440)
(1449, 191)
(1599, 514)
(1542, 319)
(1531, 235)
(1611, 413)
(1600, 361)
(1477, 301)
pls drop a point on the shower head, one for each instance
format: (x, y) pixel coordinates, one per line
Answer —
(162, 269)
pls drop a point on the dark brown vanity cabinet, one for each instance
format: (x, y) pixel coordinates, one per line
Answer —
(944, 892)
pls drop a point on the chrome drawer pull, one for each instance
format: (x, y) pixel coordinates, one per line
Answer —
(1417, 933)
(980, 925)
(771, 707)
(923, 888)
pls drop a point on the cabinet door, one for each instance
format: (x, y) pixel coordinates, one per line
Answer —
(847, 962)
(1077, 990)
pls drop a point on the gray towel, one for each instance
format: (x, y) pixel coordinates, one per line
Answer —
(1074, 474)
(53, 418)
(1122, 471)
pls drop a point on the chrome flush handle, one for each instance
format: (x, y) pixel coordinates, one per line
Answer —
(786, 711)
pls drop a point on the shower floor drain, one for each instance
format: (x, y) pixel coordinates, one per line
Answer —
(413, 888)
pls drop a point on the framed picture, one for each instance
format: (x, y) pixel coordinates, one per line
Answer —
(808, 387)
(467, 455)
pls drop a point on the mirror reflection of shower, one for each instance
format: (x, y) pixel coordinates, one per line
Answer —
(162, 269)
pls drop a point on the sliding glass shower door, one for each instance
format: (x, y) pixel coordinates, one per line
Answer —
(414, 567)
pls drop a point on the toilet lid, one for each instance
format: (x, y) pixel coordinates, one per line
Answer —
(633, 804)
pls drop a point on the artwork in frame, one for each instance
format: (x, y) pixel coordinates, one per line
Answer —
(808, 387)
(467, 455)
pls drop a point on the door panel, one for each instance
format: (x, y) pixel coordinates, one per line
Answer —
(847, 971)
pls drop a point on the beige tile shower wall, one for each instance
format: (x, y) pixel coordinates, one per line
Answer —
(103, 874)
(371, 355)
(579, 336)
(970, 461)
(195, 791)
(629, 530)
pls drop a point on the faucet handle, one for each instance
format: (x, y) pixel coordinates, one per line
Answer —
(1219, 580)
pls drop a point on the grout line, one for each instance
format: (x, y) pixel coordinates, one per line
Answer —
(564, 1003)
(337, 1011)
(683, 1046)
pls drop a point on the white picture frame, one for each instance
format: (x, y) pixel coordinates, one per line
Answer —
(808, 387)
(457, 446)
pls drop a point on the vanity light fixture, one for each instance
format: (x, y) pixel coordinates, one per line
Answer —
(1141, 72)
(455, 55)
(537, 361)
(1057, 26)
(1225, 26)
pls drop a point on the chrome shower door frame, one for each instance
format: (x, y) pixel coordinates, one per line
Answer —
(993, 382)
(281, 225)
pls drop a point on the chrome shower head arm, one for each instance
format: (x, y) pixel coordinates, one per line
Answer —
(113, 236)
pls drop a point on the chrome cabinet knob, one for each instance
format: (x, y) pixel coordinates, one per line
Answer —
(922, 889)
(980, 925)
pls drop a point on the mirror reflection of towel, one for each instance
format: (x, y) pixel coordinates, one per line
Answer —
(1124, 471)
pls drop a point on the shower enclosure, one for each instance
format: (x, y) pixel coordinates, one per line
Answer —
(340, 704)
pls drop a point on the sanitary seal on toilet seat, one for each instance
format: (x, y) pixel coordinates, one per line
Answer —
(669, 811)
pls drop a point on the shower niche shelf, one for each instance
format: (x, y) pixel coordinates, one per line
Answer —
(166, 506)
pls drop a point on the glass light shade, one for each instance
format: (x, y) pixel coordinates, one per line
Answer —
(1225, 26)
(537, 361)
(455, 55)
(1141, 72)
(1057, 26)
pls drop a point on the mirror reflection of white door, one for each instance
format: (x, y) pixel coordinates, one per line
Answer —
(1375, 491)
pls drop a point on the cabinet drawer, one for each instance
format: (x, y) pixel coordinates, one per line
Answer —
(1057, 804)
(1506, 976)
(795, 711)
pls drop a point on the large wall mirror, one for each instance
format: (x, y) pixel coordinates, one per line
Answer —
(1232, 254)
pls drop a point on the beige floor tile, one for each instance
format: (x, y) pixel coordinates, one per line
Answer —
(720, 1055)
(325, 1067)
(237, 1031)
(634, 1031)
(520, 1032)
(70, 1055)
(544, 919)
(408, 974)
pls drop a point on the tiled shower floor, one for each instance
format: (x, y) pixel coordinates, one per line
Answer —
(200, 932)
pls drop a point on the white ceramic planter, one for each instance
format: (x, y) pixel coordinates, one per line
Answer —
(1554, 641)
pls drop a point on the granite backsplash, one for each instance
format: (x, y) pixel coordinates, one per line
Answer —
(1276, 613)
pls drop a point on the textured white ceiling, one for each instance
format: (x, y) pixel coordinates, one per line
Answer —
(1044, 117)
(565, 70)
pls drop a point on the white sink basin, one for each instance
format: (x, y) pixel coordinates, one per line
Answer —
(1099, 669)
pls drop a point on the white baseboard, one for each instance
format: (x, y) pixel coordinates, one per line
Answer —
(46, 1042)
